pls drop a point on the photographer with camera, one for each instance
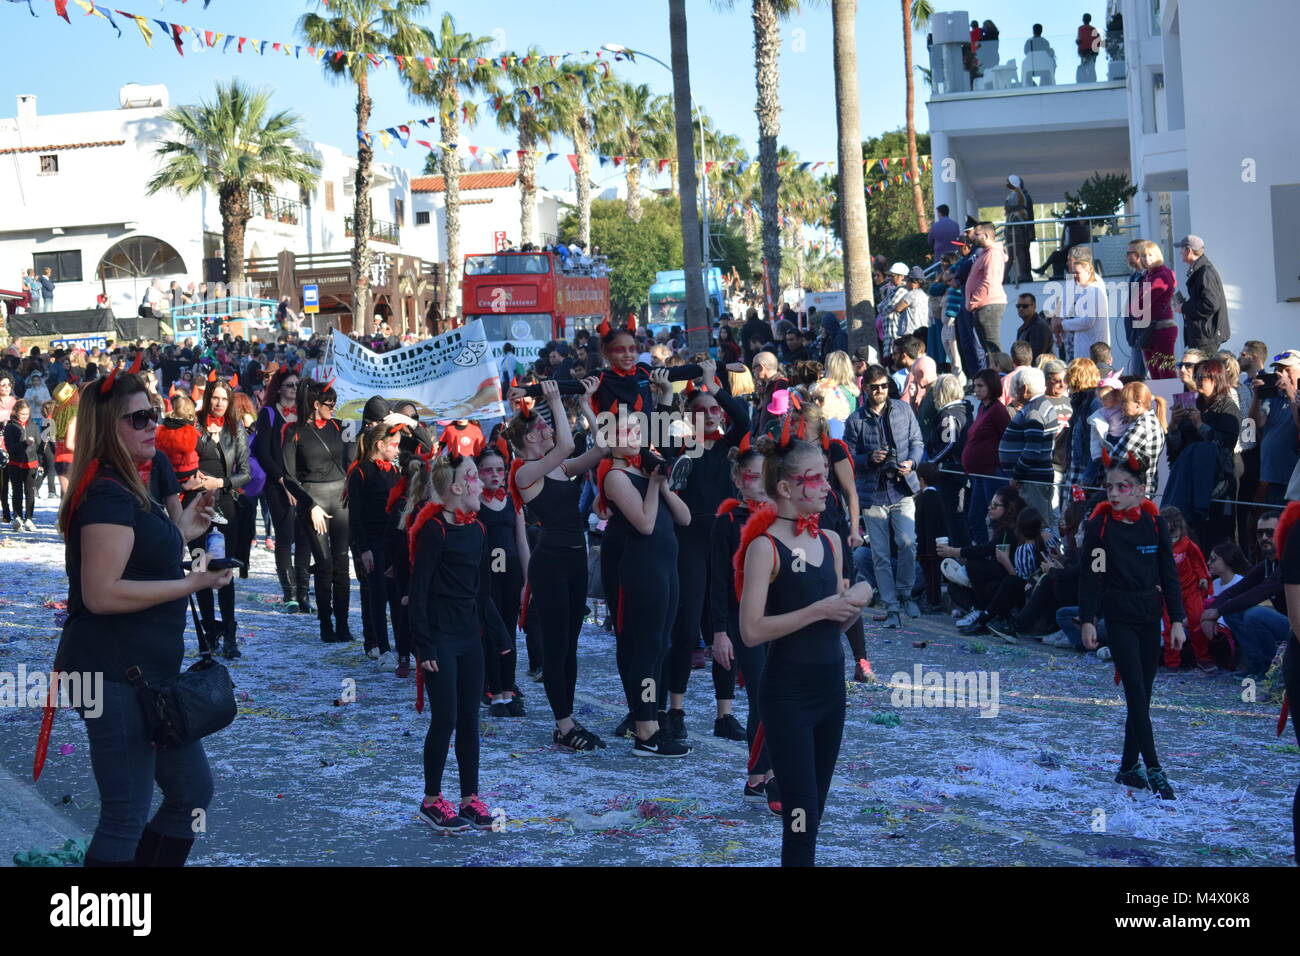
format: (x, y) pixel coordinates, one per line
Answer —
(885, 439)
(1277, 422)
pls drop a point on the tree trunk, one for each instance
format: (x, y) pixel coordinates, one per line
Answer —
(633, 177)
(918, 197)
(361, 213)
(859, 307)
(767, 52)
(233, 204)
(697, 314)
(451, 169)
(527, 180)
(582, 145)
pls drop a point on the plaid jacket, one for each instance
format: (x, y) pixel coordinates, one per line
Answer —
(1146, 439)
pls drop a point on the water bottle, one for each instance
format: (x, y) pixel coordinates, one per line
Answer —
(215, 544)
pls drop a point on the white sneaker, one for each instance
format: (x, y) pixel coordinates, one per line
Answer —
(955, 572)
(373, 653)
(18, 524)
(966, 620)
(388, 661)
(1103, 653)
(29, 525)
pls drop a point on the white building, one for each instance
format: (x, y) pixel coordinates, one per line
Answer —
(1192, 99)
(73, 197)
(490, 207)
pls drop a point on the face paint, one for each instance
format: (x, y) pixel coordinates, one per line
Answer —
(493, 473)
(622, 353)
(811, 485)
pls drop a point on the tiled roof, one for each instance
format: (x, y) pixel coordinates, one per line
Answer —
(494, 180)
(55, 149)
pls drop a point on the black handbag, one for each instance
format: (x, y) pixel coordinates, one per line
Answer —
(192, 705)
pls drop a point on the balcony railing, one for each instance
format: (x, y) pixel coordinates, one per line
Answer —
(380, 231)
(277, 209)
(1019, 63)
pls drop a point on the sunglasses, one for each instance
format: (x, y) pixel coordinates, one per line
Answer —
(327, 404)
(1262, 533)
(882, 387)
(1187, 365)
(140, 420)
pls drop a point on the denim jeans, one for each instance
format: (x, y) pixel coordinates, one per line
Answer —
(126, 767)
(1258, 630)
(982, 491)
(864, 565)
(1066, 620)
(900, 518)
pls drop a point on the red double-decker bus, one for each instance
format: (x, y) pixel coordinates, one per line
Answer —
(527, 299)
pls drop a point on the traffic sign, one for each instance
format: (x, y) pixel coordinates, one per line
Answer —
(311, 299)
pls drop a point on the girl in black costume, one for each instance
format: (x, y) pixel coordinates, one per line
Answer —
(507, 544)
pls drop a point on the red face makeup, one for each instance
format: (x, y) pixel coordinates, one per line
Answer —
(811, 486)
(493, 473)
(622, 352)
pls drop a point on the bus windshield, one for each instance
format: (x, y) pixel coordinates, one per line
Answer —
(507, 265)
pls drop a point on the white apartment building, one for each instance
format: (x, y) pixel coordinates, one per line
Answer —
(73, 197)
(1192, 99)
(490, 207)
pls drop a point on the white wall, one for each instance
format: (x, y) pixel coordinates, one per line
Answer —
(479, 220)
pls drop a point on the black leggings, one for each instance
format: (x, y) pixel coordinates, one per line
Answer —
(23, 483)
(381, 593)
(1291, 678)
(4, 493)
(648, 601)
(803, 722)
(292, 543)
(245, 529)
(505, 587)
(453, 694)
(557, 580)
(693, 553)
(750, 662)
(226, 595)
(399, 586)
(330, 550)
(1135, 649)
(51, 475)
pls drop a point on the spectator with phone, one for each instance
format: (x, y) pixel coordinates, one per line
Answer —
(1277, 423)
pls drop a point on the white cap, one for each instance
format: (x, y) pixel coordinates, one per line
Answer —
(898, 269)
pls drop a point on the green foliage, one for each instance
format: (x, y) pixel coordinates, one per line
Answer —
(730, 250)
(891, 215)
(636, 250)
(1100, 196)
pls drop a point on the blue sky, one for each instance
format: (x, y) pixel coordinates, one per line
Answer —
(79, 67)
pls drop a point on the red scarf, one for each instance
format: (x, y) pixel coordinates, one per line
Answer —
(807, 524)
(714, 436)
(754, 505)
(383, 465)
(632, 461)
(145, 471)
(622, 374)
(494, 494)
(322, 422)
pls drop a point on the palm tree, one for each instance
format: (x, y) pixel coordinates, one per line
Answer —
(661, 139)
(912, 13)
(235, 147)
(460, 73)
(366, 28)
(533, 125)
(853, 198)
(572, 108)
(697, 314)
(625, 117)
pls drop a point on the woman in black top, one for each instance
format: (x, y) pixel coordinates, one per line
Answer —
(1128, 577)
(507, 544)
(314, 474)
(793, 598)
(292, 544)
(371, 479)
(1215, 419)
(126, 608)
(542, 481)
(223, 469)
(22, 443)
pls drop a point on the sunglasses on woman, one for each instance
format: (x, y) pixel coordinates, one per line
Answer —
(140, 419)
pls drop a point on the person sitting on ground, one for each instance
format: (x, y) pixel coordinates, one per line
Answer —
(1194, 585)
(1228, 564)
(1258, 627)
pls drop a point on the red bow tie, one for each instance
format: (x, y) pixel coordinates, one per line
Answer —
(714, 436)
(494, 494)
(322, 422)
(632, 461)
(624, 374)
(289, 414)
(464, 517)
(808, 524)
(1129, 514)
(214, 422)
(383, 465)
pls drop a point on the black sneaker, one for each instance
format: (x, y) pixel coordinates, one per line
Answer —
(1135, 778)
(680, 473)
(499, 708)
(578, 740)
(627, 728)
(442, 816)
(756, 793)
(728, 728)
(478, 815)
(515, 707)
(676, 726)
(1005, 630)
(1159, 783)
(534, 674)
(659, 745)
(773, 796)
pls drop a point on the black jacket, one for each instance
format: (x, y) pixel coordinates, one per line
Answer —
(225, 458)
(1037, 332)
(1205, 313)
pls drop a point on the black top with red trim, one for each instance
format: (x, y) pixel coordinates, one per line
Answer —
(369, 484)
(450, 601)
(313, 454)
(724, 603)
(799, 583)
(556, 509)
(1127, 572)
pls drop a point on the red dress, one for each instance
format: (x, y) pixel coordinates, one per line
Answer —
(1194, 582)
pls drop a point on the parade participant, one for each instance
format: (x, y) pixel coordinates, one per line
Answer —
(246, 501)
(126, 609)
(1120, 582)
(406, 499)
(706, 487)
(645, 511)
(507, 543)
(793, 598)
(1289, 550)
(541, 481)
(7, 402)
(223, 469)
(371, 480)
(729, 651)
(450, 606)
(65, 432)
(22, 441)
(314, 474)
(292, 541)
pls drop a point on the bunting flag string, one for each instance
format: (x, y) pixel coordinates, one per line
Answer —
(203, 39)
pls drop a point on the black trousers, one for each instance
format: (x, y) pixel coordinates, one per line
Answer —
(505, 587)
(1291, 678)
(557, 579)
(245, 529)
(803, 722)
(648, 601)
(22, 481)
(292, 542)
(750, 661)
(329, 551)
(693, 544)
(453, 694)
(1135, 649)
(379, 597)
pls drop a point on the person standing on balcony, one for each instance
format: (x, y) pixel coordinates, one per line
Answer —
(1040, 60)
(1205, 310)
(1085, 310)
(988, 45)
(1155, 292)
(47, 290)
(974, 63)
(985, 298)
(1019, 206)
(1088, 40)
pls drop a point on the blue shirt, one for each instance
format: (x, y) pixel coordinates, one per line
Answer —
(1277, 445)
(942, 234)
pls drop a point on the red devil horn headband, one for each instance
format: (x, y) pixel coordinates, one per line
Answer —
(212, 376)
(631, 322)
(604, 328)
(136, 365)
(785, 432)
(1106, 458)
(743, 447)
